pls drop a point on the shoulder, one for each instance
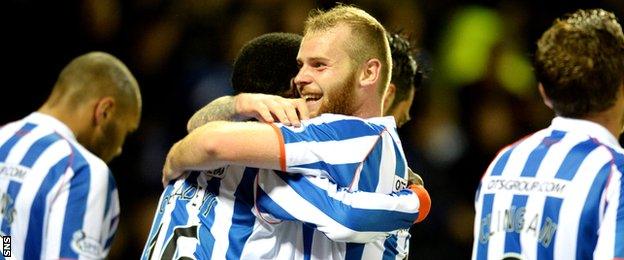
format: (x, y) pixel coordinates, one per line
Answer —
(83, 160)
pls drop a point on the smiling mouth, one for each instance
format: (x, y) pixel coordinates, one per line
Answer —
(312, 97)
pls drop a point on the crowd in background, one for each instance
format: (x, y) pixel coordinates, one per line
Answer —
(479, 95)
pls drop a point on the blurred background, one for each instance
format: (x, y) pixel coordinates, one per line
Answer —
(479, 95)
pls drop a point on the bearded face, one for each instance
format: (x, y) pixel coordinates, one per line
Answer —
(327, 78)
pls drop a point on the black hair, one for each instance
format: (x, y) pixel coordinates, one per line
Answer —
(267, 64)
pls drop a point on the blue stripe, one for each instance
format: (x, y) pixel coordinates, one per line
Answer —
(619, 218)
(486, 222)
(354, 251)
(548, 228)
(179, 214)
(206, 239)
(308, 236)
(400, 163)
(8, 145)
(514, 228)
(7, 220)
(354, 218)
(331, 131)
(390, 248)
(76, 203)
(37, 148)
(537, 155)
(369, 176)
(574, 158)
(340, 173)
(34, 235)
(156, 224)
(243, 218)
(501, 163)
(587, 236)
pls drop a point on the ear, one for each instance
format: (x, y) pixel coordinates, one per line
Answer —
(388, 97)
(545, 97)
(103, 111)
(371, 73)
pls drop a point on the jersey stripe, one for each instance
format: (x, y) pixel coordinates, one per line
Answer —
(484, 233)
(589, 222)
(8, 145)
(390, 246)
(308, 236)
(76, 203)
(242, 218)
(36, 222)
(349, 129)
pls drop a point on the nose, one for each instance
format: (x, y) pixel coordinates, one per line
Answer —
(303, 78)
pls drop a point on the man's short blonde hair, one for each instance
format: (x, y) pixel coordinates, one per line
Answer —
(368, 37)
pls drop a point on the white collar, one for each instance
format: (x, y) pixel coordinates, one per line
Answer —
(50, 121)
(587, 127)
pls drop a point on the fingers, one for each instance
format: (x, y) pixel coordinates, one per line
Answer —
(270, 108)
(301, 106)
(279, 109)
(414, 178)
(264, 114)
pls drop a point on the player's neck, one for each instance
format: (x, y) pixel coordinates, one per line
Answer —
(74, 119)
(612, 119)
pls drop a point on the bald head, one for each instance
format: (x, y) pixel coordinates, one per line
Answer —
(92, 76)
(97, 97)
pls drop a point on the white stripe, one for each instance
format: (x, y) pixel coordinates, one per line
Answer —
(56, 216)
(387, 166)
(224, 210)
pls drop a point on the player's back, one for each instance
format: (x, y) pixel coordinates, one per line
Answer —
(46, 185)
(544, 197)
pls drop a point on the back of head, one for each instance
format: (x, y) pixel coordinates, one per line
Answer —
(580, 62)
(267, 64)
(367, 40)
(406, 74)
(91, 76)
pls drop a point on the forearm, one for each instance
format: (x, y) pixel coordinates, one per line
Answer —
(221, 143)
(221, 109)
(195, 152)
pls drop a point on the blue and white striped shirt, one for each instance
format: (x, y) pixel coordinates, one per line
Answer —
(57, 200)
(239, 212)
(556, 194)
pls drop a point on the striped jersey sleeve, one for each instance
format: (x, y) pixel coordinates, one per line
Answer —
(59, 200)
(554, 195)
(341, 215)
(340, 147)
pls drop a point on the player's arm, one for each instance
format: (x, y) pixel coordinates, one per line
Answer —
(221, 143)
(341, 215)
(83, 217)
(245, 106)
